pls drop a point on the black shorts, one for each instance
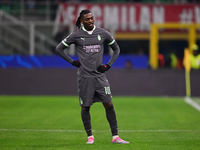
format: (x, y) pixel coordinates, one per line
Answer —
(93, 89)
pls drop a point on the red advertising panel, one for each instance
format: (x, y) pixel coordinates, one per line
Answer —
(129, 16)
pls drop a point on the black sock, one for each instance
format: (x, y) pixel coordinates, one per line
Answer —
(85, 115)
(111, 117)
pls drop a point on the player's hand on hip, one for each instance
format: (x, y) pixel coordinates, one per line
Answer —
(103, 68)
(76, 63)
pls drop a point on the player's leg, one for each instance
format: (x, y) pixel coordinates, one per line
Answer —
(85, 115)
(111, 117)
(86, 94)
(103, 94)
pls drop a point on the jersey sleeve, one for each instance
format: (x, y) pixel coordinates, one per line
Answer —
(70, 39)
(109, 38)
(116, 50)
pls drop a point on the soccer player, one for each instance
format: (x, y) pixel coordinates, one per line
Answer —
(93, 85)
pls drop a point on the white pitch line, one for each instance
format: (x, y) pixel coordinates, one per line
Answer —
(43, 130)
(192, 103)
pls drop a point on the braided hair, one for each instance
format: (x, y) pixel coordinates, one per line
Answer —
(82, 13)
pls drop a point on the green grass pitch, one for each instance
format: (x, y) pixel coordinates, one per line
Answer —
(54, 122)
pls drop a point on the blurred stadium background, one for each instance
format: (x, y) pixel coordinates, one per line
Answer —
(151, 59)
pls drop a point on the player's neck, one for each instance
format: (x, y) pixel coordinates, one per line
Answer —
(89, 31)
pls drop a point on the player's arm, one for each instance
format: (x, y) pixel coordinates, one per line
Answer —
(116, 51)
(60, 50)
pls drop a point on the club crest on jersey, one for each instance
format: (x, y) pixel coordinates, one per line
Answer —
(99, 37)
(92, 48)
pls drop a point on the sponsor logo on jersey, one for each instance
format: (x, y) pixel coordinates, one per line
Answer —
(83, 38)
(92, 48)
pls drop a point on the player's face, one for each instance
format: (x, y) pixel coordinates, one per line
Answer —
(88, 21)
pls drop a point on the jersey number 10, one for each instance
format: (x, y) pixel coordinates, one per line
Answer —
(107, 90)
